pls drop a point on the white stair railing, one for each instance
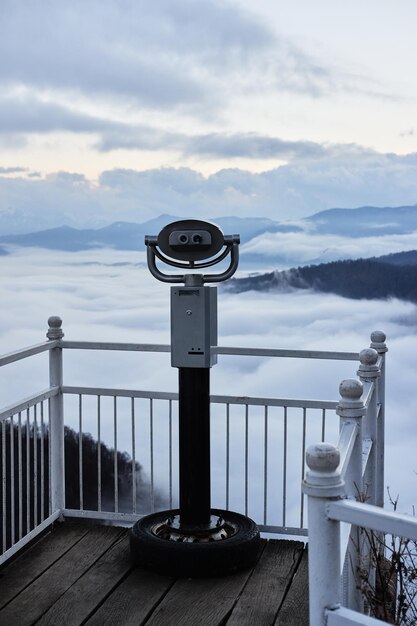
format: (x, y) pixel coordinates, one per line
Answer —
(327, 507)
(346, 484)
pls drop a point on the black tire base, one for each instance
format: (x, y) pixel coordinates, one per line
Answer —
(192, 560)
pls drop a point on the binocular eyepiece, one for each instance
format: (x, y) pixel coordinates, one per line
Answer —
(192, 245)
(178, 238)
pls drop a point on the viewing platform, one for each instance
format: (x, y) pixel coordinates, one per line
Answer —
(269, 462)
(82, 574)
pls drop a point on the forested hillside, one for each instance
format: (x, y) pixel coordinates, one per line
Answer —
(363, 278)
(34, 475)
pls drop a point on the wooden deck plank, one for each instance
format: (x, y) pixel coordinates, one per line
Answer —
(39, 596)
(202, 601)
(133, 600)
(37, 559)
(294, 610)
(268, 585)
(89, 591)
(82, 574)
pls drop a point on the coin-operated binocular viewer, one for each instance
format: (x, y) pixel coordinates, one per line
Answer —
(194, 540)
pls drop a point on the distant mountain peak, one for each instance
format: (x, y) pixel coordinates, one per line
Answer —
(347, 223)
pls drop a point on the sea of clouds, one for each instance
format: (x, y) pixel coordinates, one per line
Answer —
(281, 250)
(108, 295)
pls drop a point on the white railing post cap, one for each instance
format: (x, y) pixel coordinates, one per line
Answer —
(323, 478)
(350, 403)
(368, 367)
(55, 331)
(378, 341)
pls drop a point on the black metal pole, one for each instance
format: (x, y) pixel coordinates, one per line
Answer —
(194, 446)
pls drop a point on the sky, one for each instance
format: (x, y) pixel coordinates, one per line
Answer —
(117, 109)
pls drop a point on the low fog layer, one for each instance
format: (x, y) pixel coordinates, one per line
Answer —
(110, 296)
(280, 250)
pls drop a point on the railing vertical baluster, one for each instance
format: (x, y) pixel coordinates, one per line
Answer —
(56, 422)
(284, 469)
(368, 374)
(49, 457)
(80, 452)
(20, 471)
(227, 455)
(12, 486)
(378, 343)
(98, 454)
(151, 452)
(170, 453)
(4, 484)
(351, 409)
(265, 463)
(133, 455)
(27, 470)
(116, 474)
(323, 425)
(246, 456)
(35, 467)
(303, 448)
(42, 452)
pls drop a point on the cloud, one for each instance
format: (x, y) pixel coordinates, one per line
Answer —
(100, 301)
(252, 145)
(153, 53)
(307, 247)
(12, 170)
(138, 137)
(112, 48)
(410, 132)
(22, 116)
(33, 203)
(25, 115)
(178, 180)
(19, 115)
(287, 192)
(349, 181)
(257, 146)
(179, 57)
(12, 141)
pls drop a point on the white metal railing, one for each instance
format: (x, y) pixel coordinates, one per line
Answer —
(328, 506)
(344, 483)
(274, 430)
(271, 417)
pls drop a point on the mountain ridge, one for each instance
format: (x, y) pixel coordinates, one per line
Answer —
(122, 235)
(367, 220)
(129, 235)
(373, 278)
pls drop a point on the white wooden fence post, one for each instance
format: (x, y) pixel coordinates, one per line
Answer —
(352, 409)
(323, 482)
(378, 343)
(56, 419)
(369, 373)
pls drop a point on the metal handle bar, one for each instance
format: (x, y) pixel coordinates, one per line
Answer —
(232, 246)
